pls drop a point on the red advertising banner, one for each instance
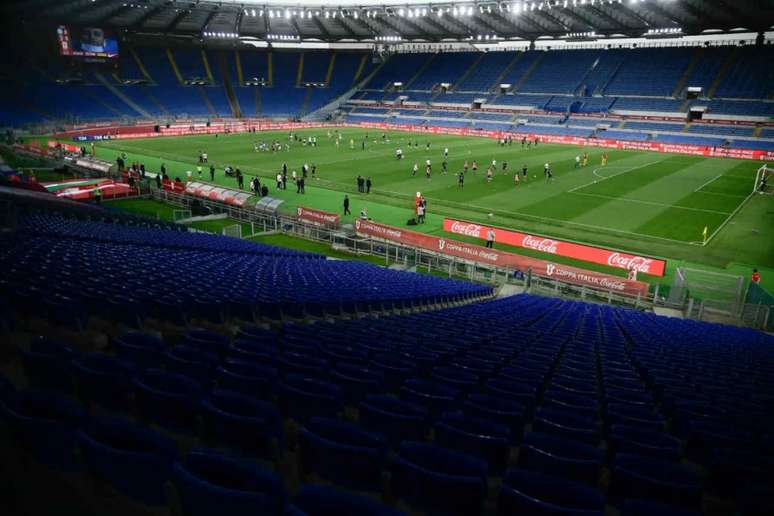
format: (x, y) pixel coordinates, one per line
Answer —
(503, 259)
(586, 253)
(318, 217)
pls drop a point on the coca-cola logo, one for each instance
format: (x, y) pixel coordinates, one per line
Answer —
(462, 228)
(628, 262)
(545, 245)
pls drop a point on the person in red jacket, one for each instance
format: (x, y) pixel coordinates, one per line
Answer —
(756, 276)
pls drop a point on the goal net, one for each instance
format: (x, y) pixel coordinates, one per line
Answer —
(235, 230)
(722, 292)
(178, 215)
(764, 180)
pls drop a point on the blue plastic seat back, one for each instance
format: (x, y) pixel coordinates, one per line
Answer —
(438, 480)
(249, 378)
(478, 437)
(244, 424)
(527, 492)
(342, 453)
(302, 397)
(103, 379)
(169, 399)
(46, 423)
(651, 479)
(316, 500)
(397, 419)
(46, 364)
(208, 483)
(133, 459)
(564, 458)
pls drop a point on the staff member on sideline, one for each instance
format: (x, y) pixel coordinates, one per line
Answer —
(490, 238)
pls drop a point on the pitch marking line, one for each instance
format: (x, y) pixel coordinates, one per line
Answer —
(708, 182)
(602, 178)
(652, 203)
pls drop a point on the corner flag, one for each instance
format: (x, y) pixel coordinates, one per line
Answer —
(704, 233)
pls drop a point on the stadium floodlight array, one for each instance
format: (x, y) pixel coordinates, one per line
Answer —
(388, 38)
(223, 35)
(284, 37)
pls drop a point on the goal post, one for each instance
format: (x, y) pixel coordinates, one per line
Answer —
(180, 215)
(764, 180)
(235, 230)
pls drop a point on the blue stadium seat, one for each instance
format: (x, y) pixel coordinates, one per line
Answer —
(397, 419)
(652, 479)
(435, 397)
(168, 399)
(648, 508)
(242, 424)
(191, 362)
(208, 483)
(438, 480)
(560, 457)
(46, 364)
(46, 425)
(526, 492)
(133, 459)
(314, 500)
(641, 441)
(356, 381)
(303, 397)
(145, 351)
(499, 410)
(568, 424)
(103, 380)
(207, 341)
(477, 437)
(249, 378)
(342, 453)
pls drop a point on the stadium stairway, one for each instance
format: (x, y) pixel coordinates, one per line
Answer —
(528, 72)
(360, 68)
(723, 72)
(331, 67)
(206, 100)
(300, 70)
(140, 64)
(227, 86)
(207, 69)
(419, 72)
(506, 71)
(697, 56)
(117, 92)
(469, 71)
(174, 67)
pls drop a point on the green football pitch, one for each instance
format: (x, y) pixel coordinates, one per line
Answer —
(644, 202)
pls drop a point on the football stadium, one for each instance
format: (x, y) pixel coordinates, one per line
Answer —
(422, 257)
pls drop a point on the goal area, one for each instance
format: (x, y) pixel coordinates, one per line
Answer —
(764, 180)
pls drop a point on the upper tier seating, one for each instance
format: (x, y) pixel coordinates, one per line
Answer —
(649, 71)
(447, 67)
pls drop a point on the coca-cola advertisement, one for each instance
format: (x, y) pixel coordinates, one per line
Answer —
(480, 254)
(641, 264)
(318, 217)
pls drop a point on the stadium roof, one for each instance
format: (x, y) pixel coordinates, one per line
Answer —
(406, 20)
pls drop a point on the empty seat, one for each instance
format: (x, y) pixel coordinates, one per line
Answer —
(435, 397)
(314, 500)
(145, 351)
(651, 479)
(527, 492)
(396, 370)
(648, 508)
(208, 483)
(192, 362)
(103, 380)
(207, 341)
(636, 415)
(478, 437)
(133, 459)
(46, 424)
(397, 419)
(566, 424)
(46, 363)
(243, 424)
(638, 441)
(560, 457)
(438, 480)
(499, 410)
(302, 397)
(342, 453)
(356, 381)
(249, 378)
(168, 399)
(505, 388)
